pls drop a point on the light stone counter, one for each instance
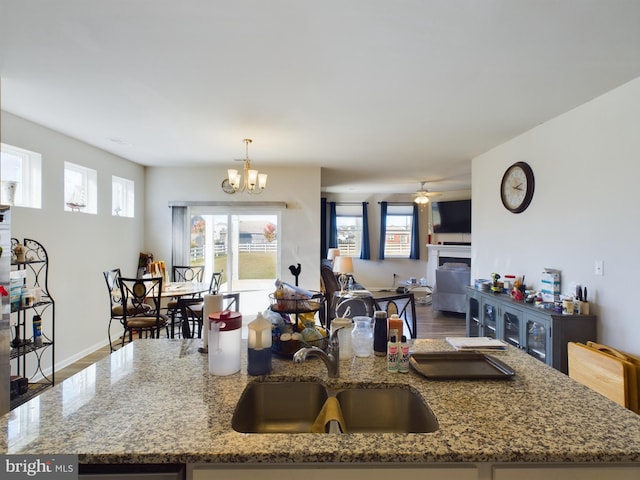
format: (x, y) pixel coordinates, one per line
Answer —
(154, 402)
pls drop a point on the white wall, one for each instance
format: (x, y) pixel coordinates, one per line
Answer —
(300, 225)
(80, 246)
(585, 208)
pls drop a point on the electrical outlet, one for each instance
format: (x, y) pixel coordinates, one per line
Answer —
(598, 268)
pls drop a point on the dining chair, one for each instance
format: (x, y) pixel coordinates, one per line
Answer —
(142, 297)
(182, 273)
(116, 308)
(193, 273)
(191, 311)
(115, 299)
(215, 282)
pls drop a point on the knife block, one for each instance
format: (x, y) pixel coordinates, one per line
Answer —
(580, 307)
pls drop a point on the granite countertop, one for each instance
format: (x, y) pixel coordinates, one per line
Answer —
(154, 402)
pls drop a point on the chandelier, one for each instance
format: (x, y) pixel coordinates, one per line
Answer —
(251, 182)
(422, 195)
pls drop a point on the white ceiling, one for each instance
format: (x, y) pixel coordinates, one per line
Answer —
(380, 93)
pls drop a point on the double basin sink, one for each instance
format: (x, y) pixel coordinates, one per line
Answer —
(294, 406)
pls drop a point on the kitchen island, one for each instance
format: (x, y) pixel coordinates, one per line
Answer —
(154, 402)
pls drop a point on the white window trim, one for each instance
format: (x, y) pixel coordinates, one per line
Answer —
(126, 201)
(90, 186)
(30, 184)
(399, 211)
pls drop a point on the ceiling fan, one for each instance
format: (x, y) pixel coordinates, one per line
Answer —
(421, 197)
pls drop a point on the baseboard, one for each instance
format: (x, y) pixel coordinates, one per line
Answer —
(83, 353)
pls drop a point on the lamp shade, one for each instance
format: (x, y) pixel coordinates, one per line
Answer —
(333, 253)
(343, 264)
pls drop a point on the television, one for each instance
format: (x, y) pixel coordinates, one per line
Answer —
(451, 217)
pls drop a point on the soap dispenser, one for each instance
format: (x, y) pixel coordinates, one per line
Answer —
(259, 342)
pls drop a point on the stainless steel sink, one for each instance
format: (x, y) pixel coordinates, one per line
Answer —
(279, 407)
(393, 410)
(292, 407)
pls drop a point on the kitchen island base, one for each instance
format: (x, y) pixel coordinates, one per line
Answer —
(487, 471)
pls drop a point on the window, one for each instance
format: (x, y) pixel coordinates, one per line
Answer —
(80, 189)
(122, 197)
(349, 229)
(21, 177)
(398, 234)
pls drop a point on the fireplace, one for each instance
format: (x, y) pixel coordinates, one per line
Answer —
(443, 260)
(440, 254)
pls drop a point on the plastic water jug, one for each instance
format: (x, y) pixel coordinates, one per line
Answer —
(225, 341)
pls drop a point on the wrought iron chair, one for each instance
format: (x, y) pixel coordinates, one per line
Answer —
(182, 274)
(216, 281)
(191, 311)
(115, 299)
(116, 308)
(187, 274)
(142, 297)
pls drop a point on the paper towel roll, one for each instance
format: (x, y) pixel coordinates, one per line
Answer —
(212, 304)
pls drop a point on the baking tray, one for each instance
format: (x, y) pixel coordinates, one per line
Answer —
(460, 365)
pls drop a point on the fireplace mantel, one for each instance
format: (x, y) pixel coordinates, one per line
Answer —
(436, 252)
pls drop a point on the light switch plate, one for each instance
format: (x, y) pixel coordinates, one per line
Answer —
(598, 268)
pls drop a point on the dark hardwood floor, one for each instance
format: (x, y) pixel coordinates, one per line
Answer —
(435, 324)
(430, 325)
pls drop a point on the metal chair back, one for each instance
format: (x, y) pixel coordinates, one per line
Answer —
(187, 273)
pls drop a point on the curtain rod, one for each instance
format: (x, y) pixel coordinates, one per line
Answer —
(397, 203)
(351, 203)
(226, 204)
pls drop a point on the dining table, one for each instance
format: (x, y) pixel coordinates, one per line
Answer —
(183, 289)
(176, 290)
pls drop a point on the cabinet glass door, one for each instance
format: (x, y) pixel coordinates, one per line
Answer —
(489, 317)
(473, 318)
(537, 340)
(511, 328)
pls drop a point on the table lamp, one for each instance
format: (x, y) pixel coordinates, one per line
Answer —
(332, 253)
(342, 266)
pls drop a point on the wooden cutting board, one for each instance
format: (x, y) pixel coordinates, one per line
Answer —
(601, 372)
(632, 364)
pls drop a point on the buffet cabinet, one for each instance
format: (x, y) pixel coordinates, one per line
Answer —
(541, 332)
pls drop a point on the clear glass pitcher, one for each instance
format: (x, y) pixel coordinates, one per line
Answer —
(362, 336)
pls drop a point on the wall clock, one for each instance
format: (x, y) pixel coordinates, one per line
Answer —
(227, 187)
(516, 189)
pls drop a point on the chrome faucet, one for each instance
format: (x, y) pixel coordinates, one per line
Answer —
(330, 357)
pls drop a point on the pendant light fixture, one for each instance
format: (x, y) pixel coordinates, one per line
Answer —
(251, 182)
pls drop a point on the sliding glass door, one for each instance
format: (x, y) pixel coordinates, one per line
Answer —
(241, 244)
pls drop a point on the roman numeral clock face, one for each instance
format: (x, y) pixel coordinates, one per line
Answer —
(516, 189)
